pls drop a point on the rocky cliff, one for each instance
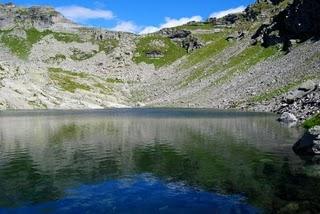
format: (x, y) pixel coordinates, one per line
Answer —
(251, 60)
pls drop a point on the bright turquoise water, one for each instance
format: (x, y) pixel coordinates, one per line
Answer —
(151, 161)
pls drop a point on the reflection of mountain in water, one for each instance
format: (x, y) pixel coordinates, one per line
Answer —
(141, 194)
(42, 156)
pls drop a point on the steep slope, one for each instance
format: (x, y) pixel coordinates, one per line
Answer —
(248, 60)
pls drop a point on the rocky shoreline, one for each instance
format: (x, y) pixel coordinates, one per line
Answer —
(300, 104)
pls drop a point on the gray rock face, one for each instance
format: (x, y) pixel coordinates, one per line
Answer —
(288, 118)
(298, 21)
(309, 144)
(39, 17)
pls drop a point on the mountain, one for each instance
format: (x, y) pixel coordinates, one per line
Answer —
(253, 60)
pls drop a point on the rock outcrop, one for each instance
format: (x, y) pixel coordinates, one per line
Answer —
(183, 37)
(309, 144)
(40, 17)
(299, 21)
(303, 101)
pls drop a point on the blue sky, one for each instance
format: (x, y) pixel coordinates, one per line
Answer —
(139, 15)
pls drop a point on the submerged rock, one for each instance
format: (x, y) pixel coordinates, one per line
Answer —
(309, 144)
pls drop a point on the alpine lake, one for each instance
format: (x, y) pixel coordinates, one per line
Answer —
(153, 161)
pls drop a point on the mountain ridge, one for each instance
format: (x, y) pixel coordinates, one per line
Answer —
(49, 62)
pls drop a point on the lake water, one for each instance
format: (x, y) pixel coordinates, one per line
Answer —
(151, 161)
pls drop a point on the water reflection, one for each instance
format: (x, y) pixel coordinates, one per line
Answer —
(141, 194)
(43, 156)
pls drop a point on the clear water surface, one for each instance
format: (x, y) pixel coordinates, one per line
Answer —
(151, 161)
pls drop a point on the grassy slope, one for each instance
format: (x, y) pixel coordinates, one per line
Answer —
(171, 51)
(217, 43)
(278, 91)
(22, 47)
(235, 65)
(66, 79)
(243, 61)
(196, 26)
(71, 81)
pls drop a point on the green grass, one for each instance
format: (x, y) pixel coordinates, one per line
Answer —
(170, 50)
(279, 91)
(243, 61)
(22, 47)
(197, 74)
(70, 73)
(103, 88)
(33, 35)
(312, 122)
(196, 26)
(218, 43)
(16, 45)
(66, 79)
(274, 93)
(66, 37)
(114, 80)
(235, 65)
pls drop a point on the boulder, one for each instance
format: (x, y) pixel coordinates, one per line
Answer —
(308, 86)
(287, 117)
(190, 43)
(309, 144)
(303, 90)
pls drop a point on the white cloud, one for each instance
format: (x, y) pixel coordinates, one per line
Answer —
(177, 22)
(169, 22)
(223, 13)
(78, 13)
(126, 26)
(149, 29)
